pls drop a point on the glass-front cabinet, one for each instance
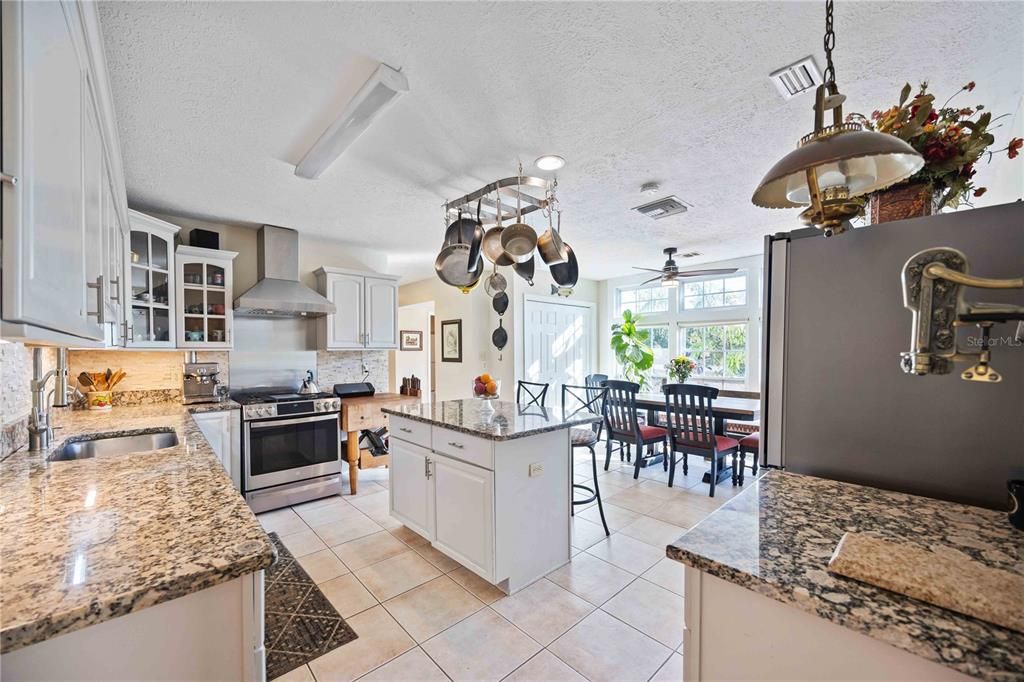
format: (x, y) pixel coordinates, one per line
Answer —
(204, 297)
(150, 291)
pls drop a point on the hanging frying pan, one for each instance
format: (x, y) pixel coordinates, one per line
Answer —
(519, 240)
(525, 270)
(568, 273)
(550, 245)
(499, 337)
(492, 248)
(466, 231)
(458, 265)
(500, 303)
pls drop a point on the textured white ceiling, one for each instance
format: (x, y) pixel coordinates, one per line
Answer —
(216, 102)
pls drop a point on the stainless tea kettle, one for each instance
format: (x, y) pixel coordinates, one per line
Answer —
(308, 385)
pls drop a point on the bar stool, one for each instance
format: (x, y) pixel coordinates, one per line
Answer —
(749, 445)
(531, 393)
(589, 400)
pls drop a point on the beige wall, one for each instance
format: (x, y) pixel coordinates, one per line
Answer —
(406, 363)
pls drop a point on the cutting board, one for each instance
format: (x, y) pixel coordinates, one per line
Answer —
(951, 580)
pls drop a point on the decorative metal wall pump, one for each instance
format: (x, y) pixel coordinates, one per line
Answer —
(516, 244)
(834, 167)
(933, 282)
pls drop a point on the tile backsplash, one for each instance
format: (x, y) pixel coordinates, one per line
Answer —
(342, 367)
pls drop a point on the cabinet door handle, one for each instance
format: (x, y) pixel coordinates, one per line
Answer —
(405, 430)
(98, 286)
(115, 285)
(426, 467)
(7, 177)
(458, 446)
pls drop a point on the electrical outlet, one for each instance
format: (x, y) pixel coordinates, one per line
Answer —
(536, 469)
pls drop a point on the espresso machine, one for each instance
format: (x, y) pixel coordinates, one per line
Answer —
(199, 383)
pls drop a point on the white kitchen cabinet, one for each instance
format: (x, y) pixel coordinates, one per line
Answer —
(412, 497)
(221, 428)
(149, 270)
(203, 297)
(499, 508)
(59, 150)
(366, 314)
(467, 538)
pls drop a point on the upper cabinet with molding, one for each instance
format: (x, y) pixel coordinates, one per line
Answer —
(204, 295)
(366, 315)
(63, 203)
(149, 276)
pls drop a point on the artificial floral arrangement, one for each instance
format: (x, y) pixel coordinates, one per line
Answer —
(951, 140)
(680, 368)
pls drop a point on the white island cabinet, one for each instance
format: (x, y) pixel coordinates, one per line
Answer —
(488, 484)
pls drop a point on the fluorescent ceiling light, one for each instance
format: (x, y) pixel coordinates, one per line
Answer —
(550, 162)
(382, 88)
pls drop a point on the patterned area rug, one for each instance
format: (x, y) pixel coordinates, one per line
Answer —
(301, 624)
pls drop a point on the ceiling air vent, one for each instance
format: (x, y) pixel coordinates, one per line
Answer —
(661, 208)
(797, 78)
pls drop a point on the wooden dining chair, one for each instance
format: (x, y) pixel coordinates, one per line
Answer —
(623, 427)
(750, 444)
(690, 419)
(582, 400)
(531, 393)
(595, 379)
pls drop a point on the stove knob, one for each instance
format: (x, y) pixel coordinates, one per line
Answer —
(318, 406)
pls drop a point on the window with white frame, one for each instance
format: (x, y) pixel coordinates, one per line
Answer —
(644, 300)
(714, 320)
(715, 293)
(720, 350)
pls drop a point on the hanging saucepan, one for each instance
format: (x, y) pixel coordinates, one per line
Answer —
(568, 273)
(499, 337)
(550, 245)
(500, 303)
(492, 242)
(525, 270)
(519, 240)
(466, 231)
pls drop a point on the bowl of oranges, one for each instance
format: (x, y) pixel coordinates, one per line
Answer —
(486, 387)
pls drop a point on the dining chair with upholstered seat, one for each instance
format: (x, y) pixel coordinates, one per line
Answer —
(583, 400)
(690, 420)
(531, 393)
(623, 426)
(750, 444)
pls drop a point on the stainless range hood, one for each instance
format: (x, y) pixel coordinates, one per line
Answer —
(278, 292)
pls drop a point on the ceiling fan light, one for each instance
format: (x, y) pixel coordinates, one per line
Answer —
(670, 283)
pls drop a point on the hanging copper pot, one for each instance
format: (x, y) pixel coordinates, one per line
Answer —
(552, 249)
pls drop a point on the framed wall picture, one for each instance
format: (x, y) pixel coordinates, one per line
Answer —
(451, 340)
(410, 339)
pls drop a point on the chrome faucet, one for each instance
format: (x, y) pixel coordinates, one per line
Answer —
(40, 425)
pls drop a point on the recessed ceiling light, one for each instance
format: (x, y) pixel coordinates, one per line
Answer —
(650, 188)
(549, 162)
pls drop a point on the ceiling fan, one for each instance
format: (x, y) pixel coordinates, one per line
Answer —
(669, 273)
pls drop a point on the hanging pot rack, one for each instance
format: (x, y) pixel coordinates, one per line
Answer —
(507, 187)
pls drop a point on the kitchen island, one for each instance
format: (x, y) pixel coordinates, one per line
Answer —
(130, 566)
(761, 603)
(488, 483)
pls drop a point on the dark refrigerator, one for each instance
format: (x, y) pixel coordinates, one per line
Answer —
(836, 403)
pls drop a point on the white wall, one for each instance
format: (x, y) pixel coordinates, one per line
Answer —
(753, 265)
(405, 363)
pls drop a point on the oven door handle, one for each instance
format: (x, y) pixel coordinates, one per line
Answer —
(298, 420)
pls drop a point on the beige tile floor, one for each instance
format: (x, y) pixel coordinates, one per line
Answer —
(615, 612)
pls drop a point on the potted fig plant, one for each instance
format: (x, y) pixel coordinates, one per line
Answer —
(680, 368)
(631, 349)
(951, 139)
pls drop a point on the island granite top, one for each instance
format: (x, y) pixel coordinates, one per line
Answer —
(85, 541)
(776, 538)
(492, 419)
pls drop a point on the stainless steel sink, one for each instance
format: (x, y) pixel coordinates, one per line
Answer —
(115, 445)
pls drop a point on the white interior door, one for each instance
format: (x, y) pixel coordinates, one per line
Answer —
(557, 344)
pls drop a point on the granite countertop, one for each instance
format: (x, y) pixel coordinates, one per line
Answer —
(776, 538)
(492, 419)
(85, 541)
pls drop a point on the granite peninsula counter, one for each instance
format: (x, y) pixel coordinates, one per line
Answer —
(488, 483)
(83, 542)
(776, 538)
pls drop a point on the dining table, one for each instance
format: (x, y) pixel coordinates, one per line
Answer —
(723, 409)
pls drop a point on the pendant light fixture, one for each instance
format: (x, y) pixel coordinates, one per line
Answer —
(833, 168)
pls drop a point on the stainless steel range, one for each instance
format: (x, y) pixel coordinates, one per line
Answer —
(291, 449)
